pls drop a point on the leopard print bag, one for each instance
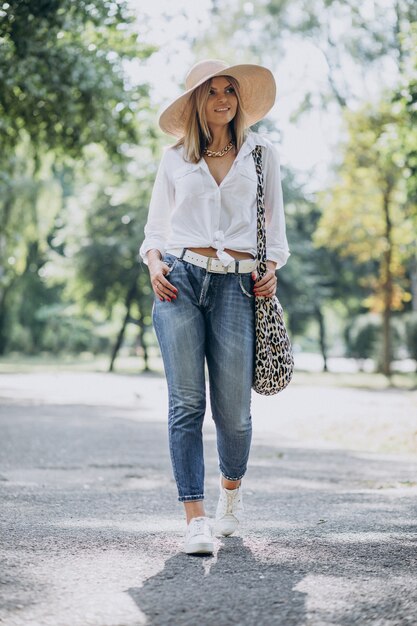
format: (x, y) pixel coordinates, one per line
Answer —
(274, 360)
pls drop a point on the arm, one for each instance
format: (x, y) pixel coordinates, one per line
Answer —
(160, 206)
(156, 232)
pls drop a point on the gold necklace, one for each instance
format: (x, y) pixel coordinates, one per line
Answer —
(211, 153)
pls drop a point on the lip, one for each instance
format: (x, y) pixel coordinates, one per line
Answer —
(223, 110)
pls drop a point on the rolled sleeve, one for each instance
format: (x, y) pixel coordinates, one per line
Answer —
(160, 206)
(276, 240)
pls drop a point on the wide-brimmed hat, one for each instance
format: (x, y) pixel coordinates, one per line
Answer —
(257, 89)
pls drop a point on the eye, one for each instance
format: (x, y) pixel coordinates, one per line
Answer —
(230, 89)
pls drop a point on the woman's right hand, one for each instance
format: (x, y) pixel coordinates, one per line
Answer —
(157, 271)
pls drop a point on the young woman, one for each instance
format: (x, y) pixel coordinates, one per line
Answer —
(200, 247)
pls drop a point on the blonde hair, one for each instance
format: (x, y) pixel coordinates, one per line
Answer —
(197, 133)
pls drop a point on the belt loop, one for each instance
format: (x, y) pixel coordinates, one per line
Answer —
(237, 267)
(184, 250)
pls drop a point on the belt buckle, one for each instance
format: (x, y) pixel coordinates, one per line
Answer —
(210, 269)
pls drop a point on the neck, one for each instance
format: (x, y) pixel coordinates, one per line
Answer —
(220, 138)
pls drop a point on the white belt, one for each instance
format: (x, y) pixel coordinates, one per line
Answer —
(211, 264)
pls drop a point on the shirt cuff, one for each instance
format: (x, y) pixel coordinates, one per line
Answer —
(151, 244)
(278, 255)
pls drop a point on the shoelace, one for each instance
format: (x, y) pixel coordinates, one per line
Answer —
(230, 501)
(199, 524)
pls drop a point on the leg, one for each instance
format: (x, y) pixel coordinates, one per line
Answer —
(179, 327)
(230, 484)
(230, 358)
(194, 509)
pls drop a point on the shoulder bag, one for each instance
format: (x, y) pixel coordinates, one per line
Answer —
(274, 360)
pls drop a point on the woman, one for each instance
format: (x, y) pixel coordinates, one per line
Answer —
(200, 247)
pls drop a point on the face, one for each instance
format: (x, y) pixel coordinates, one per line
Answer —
(221, 104)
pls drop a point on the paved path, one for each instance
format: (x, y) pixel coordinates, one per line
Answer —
(91, 532)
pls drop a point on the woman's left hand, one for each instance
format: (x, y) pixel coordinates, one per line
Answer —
(266, 287)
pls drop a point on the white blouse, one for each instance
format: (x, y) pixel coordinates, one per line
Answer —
(188, 209)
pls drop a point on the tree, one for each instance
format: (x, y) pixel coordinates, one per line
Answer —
(405, 101)
(365, 214)
(62, 80)
(108, 269)
(62, 87)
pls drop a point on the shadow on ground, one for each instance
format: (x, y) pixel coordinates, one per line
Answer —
(231, 588)
(92, 524)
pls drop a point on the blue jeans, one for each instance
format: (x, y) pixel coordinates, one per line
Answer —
(213, 320)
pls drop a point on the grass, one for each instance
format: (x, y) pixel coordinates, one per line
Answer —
(358, 380)
(86, 362)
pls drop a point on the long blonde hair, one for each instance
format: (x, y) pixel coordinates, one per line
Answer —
(197, 133)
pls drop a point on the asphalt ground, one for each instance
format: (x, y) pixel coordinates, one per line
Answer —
(92, 533)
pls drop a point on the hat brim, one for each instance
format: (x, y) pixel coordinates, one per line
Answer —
(257, 89)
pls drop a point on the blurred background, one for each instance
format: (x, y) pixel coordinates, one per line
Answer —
(81, 84)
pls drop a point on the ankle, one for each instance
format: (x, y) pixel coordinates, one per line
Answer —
(230, 484)
(191, 517)
(194, 508)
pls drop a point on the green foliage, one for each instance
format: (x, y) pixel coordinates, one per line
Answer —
(371, 183)
(63, 330)
(61, 75)
(372, 36)
(363, 335)
(411, 334)
(74, 188)
(63, 87)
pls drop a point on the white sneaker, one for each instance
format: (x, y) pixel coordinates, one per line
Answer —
(199, 537)
(229, 510)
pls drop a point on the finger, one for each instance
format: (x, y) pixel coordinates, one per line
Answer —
(265, 284)
(269, 275)
(266, 294)
(163, 287)
(267, 290)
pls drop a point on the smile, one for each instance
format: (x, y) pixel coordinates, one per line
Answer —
(221, 110)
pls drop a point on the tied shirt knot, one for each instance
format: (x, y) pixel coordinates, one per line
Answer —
(218, 243)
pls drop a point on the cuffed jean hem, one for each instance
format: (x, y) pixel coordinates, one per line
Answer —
(190, 498)
(230, 478)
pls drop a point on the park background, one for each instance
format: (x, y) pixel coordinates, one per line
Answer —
(94, 534)
(81, 85)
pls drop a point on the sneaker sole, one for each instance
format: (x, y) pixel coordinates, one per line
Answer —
(200, 548)
(225, 527)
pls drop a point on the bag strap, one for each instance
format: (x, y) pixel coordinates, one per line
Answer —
(260, 214)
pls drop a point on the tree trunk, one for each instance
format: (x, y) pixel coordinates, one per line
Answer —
(142, 329)
(322, 337)
(3, 318)
(387, 286)
(131, 294)
(413, 282)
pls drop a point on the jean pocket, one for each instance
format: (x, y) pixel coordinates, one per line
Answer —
(246, 284)
(170, 260)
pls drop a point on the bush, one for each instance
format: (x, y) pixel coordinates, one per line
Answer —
(364, 337)
(411, 334)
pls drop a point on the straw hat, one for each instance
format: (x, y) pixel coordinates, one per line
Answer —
(257, 89)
